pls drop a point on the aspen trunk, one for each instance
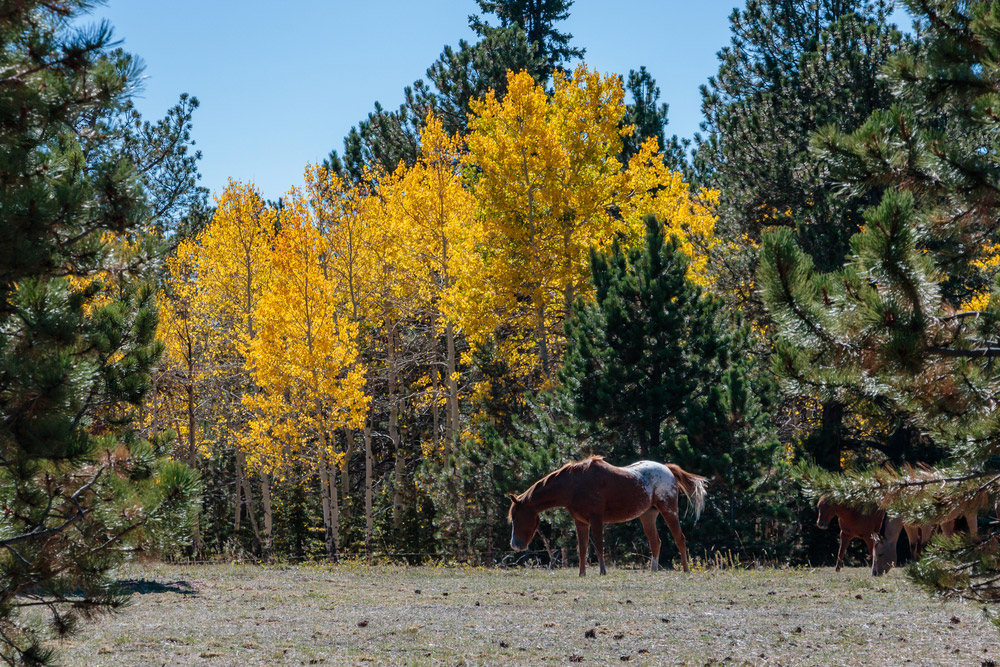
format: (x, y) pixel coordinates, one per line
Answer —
(435, 422)
(368, 493)
(324, 492)
(244, 483)
(239, 495)
(452, 434)
(543, 350)
(345, 473)
(334, 511)
(265, 498)
(193, 463)
(399, 469)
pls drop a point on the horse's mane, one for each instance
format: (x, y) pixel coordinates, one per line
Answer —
(548, 479)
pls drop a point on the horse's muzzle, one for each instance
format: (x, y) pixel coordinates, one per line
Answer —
(517, 546)
(822, 525)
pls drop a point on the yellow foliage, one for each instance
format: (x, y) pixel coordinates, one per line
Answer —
(304, 358)
(548, 186)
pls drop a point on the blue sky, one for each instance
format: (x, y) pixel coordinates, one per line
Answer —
(280, 84)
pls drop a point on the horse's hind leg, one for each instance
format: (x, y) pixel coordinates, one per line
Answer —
(649, 527)
(674, 524)
(582, 542)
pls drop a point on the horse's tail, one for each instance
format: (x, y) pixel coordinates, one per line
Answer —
(693, 487)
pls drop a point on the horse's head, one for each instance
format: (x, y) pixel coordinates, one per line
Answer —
(826, 513)
(523, 523)
(884, 551)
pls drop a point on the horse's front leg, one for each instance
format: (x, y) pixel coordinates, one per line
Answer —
(597, 528)
(845, 539)
(582, 542)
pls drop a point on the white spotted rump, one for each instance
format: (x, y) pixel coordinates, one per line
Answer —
(656, 480)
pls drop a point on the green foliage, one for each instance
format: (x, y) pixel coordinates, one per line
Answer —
(649, 119)
(887, 325)
(644, 347)
(790, 69)
(82, 179)
(537, 19)
(471, 488)
(655, 369)
(525, 39)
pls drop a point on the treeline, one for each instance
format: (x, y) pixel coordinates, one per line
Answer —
(467, 297)
(357, 341)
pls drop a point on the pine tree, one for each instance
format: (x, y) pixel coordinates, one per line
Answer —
(791, 68)
(640, 350)
(903, 323)
(537, 18)
(78, 490)
(649, 119)
(650, 364)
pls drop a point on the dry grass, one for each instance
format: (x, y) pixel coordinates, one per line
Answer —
(352, 614)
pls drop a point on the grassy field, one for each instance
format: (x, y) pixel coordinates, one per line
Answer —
(352, 614)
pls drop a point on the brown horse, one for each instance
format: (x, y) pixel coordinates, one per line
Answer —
(596, 492)
(853, 524)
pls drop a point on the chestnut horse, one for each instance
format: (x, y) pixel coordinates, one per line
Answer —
(596, 492)
(853, 524)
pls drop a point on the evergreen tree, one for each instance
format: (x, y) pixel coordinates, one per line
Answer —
(791, 68)
(80, 179)
(652, 361)
(643, 347)
(525, 39)
(537, 19)
(649, 118)
(897, 323)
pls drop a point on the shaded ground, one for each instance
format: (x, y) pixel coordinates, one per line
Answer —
(351, 614)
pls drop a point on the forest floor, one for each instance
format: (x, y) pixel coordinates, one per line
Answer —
(353, 614)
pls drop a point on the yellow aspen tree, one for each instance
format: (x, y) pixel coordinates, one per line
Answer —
(546, 173)
(397, 307)
(364, 237)
(433, 208)
(340, 210)
(305, 361)
(185, 333)
(234, 273)
(548, 186)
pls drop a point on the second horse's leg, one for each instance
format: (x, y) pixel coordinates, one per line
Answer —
(844, 541)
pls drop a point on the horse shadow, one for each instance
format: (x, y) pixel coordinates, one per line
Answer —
(147, 587)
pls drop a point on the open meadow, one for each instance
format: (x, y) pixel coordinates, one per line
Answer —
(353, 614)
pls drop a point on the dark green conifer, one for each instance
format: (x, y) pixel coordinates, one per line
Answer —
(652, 364)
(791, 68)
(640, 351)
(78, 490)
(888, 325)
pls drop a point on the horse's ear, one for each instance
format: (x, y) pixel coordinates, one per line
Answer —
(513, 497)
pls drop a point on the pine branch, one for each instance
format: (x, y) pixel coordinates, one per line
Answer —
(81, 513)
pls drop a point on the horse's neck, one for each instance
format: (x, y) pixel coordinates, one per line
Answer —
(550, 494)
